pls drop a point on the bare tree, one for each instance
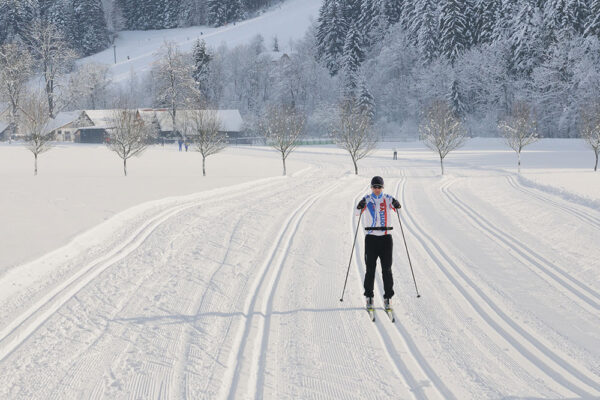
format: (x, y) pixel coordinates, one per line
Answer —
(590, 128)
(53, 56)
(173, 76)
(519, 128)
(88, 86)
(128, 135)
(203, 128)
(281, 127)
(15, 71)
(34, 122)
(353, 132)
(440, 130)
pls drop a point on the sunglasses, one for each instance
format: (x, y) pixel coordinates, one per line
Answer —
(377, 187)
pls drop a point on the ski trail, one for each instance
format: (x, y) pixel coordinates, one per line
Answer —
(232, 376)
(530, 348)
(579, 214)
(23, 326)
(576, 290)
(179, 374)
(260, 352)
(402, 369)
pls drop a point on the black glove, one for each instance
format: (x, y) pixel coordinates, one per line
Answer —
(361, 204)
(396, 204)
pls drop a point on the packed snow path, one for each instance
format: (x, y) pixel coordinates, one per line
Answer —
(234, 294)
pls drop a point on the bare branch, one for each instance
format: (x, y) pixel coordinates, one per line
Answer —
(441, 131)
(590, 128)
(352, 131)
(34, 122)
(519, 129)
(203, 128)
(281, 127)
(128, 135)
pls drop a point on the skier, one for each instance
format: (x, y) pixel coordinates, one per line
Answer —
(395, 155)
(378, 241)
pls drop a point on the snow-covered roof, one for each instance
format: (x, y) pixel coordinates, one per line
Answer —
(231, 120)
(62, 118)
(3, 126)
(101, 118)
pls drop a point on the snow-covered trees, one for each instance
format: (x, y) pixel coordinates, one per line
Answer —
(454, 34)
(201, 68)
(221, 12)
(519, 128)
(331, 35)
(203, 129)
(88, 87)
(34, 122)
(53, 56)
(175, 85)
(352, 131)
(282, 127)
(15, 71)
(128, 136)
(590, 128)
(440, 130)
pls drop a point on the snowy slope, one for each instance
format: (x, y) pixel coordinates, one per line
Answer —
(234, 293)
(135, 49)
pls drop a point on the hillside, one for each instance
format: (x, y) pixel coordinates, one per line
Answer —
(135, 49)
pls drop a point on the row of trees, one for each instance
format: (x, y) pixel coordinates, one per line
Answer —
(482, 56)
(81, 23)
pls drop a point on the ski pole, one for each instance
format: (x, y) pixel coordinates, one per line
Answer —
(407, 254)
(350, 262)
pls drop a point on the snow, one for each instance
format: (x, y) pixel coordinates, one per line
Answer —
(62, 118)
(136, 49)
(231, 120)
(165, 284)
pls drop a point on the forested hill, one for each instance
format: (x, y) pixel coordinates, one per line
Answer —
(88, 25)
(481, 55)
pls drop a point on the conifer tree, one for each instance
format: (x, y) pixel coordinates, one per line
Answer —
(592, 26)
(201, 71)
(453, 29)
(353, 56)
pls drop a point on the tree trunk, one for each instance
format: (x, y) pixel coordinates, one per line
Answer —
(203, 166)
(284, 168)
(596, 166)
(442, 164)
(35, 165)
(519, 162)
(125, 166)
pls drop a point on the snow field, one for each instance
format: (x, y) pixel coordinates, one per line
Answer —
(201, 297)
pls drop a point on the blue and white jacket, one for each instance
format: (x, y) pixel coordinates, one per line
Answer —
(377, 213)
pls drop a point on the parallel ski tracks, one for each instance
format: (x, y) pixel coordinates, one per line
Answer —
(540, 356)
(270, 269)
(579, 214)
(398, 331)
(587, 297)
(21, 328)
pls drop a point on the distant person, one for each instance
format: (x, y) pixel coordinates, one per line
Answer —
(395, 154)
(186, 146)
(180, 142)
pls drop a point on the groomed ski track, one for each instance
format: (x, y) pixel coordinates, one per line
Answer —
(234, 294)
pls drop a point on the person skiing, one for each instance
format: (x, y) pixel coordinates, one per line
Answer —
(378, 241)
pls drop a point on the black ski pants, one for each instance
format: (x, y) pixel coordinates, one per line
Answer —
(379, 247)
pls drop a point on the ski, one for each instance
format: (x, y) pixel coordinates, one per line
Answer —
(390, 314)
(371, 312)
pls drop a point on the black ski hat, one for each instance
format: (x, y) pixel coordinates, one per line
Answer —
(377, 180)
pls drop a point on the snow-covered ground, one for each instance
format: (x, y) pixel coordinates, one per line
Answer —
(232, 291)
(135, 50)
